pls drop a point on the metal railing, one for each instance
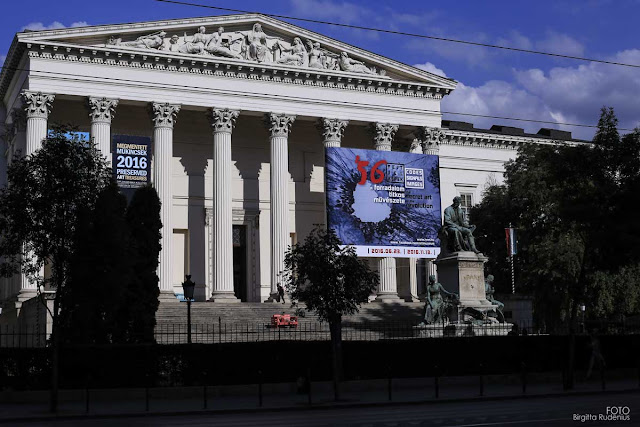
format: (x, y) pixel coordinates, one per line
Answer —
(12, 336)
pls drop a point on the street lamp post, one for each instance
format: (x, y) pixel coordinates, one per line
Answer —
(188, 287)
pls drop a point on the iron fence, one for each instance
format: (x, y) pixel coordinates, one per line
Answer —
(12, 336)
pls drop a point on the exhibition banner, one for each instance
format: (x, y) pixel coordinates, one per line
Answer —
(384, 203)
(131, 162)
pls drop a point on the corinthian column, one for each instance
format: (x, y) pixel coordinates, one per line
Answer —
(388, 286)
(164, 116)
(332, 131)
(279, 126)
(38, 106)
(432, 137)
(102, 111)
(223, 121)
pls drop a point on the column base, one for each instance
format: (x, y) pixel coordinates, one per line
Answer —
(23, 296)
(388, 297)
(228, 297)
(167, 296)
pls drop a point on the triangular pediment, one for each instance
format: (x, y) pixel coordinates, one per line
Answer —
(248, 38)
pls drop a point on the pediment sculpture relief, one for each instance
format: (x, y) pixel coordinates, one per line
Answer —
(252, 45)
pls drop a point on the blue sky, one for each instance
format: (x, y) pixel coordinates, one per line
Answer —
(491, 82)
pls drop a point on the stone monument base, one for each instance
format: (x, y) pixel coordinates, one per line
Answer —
(456, 329)
(463, 273)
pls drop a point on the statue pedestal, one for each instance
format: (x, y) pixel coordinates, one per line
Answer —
(463, 274)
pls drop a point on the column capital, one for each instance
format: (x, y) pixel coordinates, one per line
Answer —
(223, 119)
(102, 109)
(164, 114)
(279, 124)
(37, 104)
(432, 138)
(332, 131)
(383, 134)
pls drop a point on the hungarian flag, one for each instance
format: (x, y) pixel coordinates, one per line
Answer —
(510, 234)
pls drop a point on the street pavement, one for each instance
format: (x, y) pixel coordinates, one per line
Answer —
(461, 401)
(537, 411)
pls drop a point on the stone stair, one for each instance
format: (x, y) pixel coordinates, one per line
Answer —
(207, 313)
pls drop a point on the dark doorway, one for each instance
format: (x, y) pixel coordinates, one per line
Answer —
(240, 262)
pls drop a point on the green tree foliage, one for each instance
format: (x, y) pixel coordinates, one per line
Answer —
(113, 294)
(143, 219)
(331, 281)
(100, 270)
(576, 232)
(40, 208)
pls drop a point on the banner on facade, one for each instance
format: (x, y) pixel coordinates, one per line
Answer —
(131, 162)
(384, 203)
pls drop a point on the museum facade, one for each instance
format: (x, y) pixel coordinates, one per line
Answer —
(240, 109)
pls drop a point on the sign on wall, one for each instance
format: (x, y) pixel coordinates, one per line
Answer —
(384, 203)
(131, 162)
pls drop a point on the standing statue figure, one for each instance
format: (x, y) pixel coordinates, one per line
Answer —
(295, 55)
(317, 58)
(258, 49)
(217, 46)
(490, 290)
(348, 64)
(439, 300)
(150, 41)
(458, 232)
(197, 42)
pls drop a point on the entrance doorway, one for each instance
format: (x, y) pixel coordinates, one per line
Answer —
(240, 262)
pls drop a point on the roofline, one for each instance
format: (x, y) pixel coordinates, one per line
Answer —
(446, 82)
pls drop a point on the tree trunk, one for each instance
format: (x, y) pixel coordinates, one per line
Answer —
(55, 349)
(335, 326)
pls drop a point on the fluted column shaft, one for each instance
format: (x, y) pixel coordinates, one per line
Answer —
(332, 131)
(101, 114)
(164, 119)
(223, 121)
(37, 106)
(388, 286)
(279, 127)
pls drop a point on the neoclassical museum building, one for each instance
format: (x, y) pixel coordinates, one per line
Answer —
(240, 109)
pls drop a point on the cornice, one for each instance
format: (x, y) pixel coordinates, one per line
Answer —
(230, 68)
(491, 140)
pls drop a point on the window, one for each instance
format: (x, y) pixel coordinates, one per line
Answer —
(466, 202)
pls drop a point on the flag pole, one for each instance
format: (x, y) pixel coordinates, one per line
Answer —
(513, 275)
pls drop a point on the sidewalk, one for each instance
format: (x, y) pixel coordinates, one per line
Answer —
(24, 406)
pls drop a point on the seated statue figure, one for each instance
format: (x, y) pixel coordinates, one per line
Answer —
(439, 300)
(490, 290)
(456, 228)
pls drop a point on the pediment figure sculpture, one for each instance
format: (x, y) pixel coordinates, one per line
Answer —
(252, 45)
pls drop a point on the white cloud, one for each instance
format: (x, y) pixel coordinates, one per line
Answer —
(515, 39)
(501, 99)
(560, 43)
(562, 95)
(342, 12)
(582, 90)
(428, 66)
(55, 25)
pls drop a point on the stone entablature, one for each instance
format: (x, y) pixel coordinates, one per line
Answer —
(218, 66)
(491, 140)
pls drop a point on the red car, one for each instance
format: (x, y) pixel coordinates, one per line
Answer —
(282, 320)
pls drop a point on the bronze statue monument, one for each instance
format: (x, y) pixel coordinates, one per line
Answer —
(456, 229)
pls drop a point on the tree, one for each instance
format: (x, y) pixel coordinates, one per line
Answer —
(142, 292)
(99, 272)
(331, 281)
(576, 234)
(39, 213)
